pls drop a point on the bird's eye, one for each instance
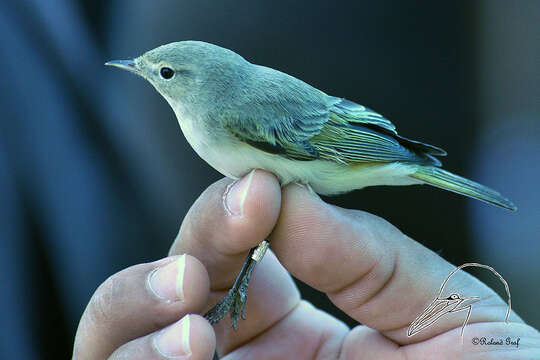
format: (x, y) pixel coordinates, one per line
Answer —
(166, 73)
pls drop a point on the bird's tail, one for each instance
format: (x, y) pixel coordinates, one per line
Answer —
(448, 181)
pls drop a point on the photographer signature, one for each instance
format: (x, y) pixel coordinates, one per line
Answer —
(484, 341)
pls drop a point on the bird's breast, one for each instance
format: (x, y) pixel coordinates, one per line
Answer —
(214, 146)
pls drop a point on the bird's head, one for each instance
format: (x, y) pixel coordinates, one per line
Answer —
(188, 72)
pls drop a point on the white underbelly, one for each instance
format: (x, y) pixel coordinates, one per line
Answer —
(233, 159)
(325, 177)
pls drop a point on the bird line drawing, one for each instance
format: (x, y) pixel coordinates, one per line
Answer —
(442, 306)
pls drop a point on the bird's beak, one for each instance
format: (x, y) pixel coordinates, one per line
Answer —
(469, 300)
(430, 315)
(128, 65)
(435, 310)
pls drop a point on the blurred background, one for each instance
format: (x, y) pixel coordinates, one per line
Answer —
(95, 174)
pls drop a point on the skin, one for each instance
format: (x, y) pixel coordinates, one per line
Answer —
(367, 267)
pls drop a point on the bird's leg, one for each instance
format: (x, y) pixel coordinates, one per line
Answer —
(469, 309)
(235, 300)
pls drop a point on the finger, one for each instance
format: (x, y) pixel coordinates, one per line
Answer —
(223, 224)
(370, 269)
(191, 338)
(138, 301)
(305, 333)
(227, 220)
(512, 341)
(486, 340)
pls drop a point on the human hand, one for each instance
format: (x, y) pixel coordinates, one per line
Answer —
(142, 312)
(367, 267)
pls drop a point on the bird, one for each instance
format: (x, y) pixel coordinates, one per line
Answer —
(239, 116)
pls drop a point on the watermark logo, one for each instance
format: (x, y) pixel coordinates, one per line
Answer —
(444, 305)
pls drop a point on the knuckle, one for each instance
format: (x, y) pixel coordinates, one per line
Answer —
(361, 295)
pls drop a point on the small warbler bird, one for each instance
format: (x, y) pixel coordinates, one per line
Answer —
(239, 116)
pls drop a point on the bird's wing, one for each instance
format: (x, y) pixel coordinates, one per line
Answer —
(354, 133)
(356, 113)
(335, 129)
(282, 127)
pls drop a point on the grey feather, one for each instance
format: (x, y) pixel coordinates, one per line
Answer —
(290, 118)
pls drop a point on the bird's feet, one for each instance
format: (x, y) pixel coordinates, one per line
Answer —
(235, 300)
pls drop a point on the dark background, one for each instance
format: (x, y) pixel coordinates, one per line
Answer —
(95, 175)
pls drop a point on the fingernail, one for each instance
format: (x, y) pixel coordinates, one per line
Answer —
(236, 195)
(167, 282)
(173, 342)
